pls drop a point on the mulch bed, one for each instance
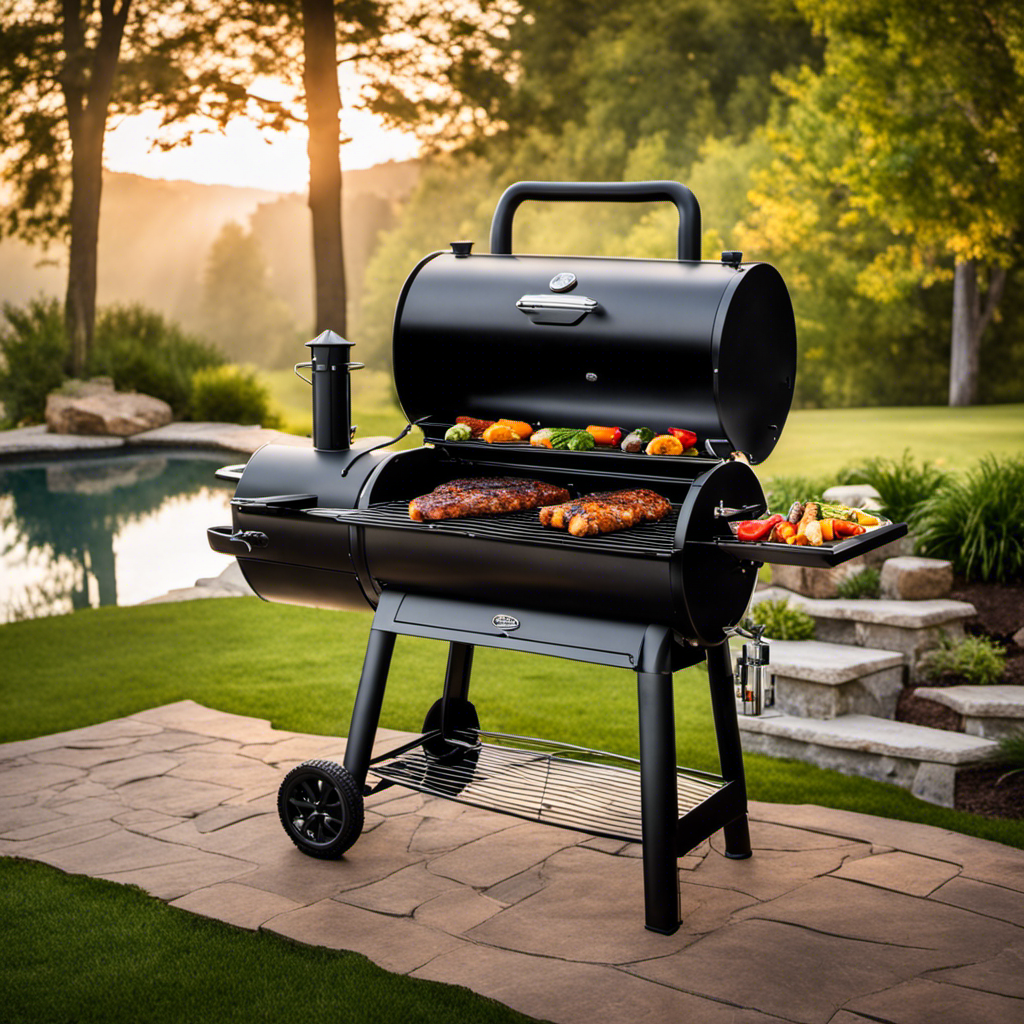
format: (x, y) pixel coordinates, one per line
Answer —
(1000, 610)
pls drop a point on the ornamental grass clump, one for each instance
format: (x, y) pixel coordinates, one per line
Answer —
(781, 621)
(974, 659)
(974, 521)
(1011, 754)
(865, 583)
(902, 484)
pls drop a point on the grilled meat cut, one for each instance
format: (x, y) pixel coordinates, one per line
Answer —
(484, 496)
(606, 512)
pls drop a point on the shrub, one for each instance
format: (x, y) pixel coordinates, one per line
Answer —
(860, 584)
(34, 347)
(974, 521)
(901, 484)
(975, 659)
(142, 351)
(780, 621)
(230, 394)
(1011, 754)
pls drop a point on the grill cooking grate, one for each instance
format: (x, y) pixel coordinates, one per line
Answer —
(651, 540)
(558, 784)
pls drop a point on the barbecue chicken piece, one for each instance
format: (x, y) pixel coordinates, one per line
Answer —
(606, 512)
(484, 496)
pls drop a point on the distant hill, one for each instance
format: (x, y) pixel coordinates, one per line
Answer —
(155, 236)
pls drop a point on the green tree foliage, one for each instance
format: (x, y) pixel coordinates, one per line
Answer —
(65, 68)
(240, 312)
(909, 141)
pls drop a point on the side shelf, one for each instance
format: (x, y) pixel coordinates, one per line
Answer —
(827, 556)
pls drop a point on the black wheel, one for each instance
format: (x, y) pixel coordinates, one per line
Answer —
(321, 808)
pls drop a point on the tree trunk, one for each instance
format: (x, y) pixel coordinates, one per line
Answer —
(323, 106)
(86, 187)
(969, 323)
(87, 78)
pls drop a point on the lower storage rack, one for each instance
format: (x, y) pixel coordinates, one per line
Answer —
(559, 784)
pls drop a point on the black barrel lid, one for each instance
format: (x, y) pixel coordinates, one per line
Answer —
(574, 341)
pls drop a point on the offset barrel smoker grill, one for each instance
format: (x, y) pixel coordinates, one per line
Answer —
(709, 346)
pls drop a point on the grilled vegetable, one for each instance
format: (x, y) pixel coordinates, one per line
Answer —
(691, 451)
(842, 528)
(783, 531)
(460, 432)
(757, 529)
(498, 433)
(561, 436)
(688, 437)
(810, 514)
(865, 519)
(637, 440)
(827, 529)
(476, 426)
(542, 438)
(665, 444)
(813, 533)
(796, 511)
(582, 442)
(605, 435)
(524, 430)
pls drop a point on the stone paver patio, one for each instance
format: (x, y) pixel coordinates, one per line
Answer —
(838, 918)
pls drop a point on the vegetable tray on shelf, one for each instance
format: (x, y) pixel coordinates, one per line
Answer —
(827, 556)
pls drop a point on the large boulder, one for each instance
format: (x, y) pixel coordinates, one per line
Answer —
(94, 407)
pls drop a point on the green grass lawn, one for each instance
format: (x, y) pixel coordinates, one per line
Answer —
(83, 951)
(820, 441)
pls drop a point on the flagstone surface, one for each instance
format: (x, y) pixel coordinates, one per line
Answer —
(838, 918)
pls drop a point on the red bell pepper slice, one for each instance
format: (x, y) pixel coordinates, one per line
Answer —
(688, 437)
(757, 529)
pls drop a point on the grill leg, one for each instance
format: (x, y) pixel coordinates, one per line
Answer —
(456, 678)
(659, 802)
(730, 752)
(369, 697)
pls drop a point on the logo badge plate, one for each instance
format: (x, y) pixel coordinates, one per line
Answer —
(562, 282)
(505, 622)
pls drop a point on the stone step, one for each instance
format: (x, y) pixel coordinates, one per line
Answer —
(908, 578)
(991, 711)
(909, 627)
(915, 757)
(821, 680)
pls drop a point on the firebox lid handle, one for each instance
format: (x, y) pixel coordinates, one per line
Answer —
(599, 192)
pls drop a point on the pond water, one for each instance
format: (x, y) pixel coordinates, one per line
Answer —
(117, 529)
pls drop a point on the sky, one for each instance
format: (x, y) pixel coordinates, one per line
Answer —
(242, 156)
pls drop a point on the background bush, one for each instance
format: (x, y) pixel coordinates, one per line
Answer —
(975, 521)
(142, 351)
(33, 349)
(975, 659)
(902, 485)
(781, 621)
(865, 583)
(230, 394)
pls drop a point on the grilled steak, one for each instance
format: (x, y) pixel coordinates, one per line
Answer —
(606, 512)
(484, 496)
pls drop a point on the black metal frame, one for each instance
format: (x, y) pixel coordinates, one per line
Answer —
(651, 651)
